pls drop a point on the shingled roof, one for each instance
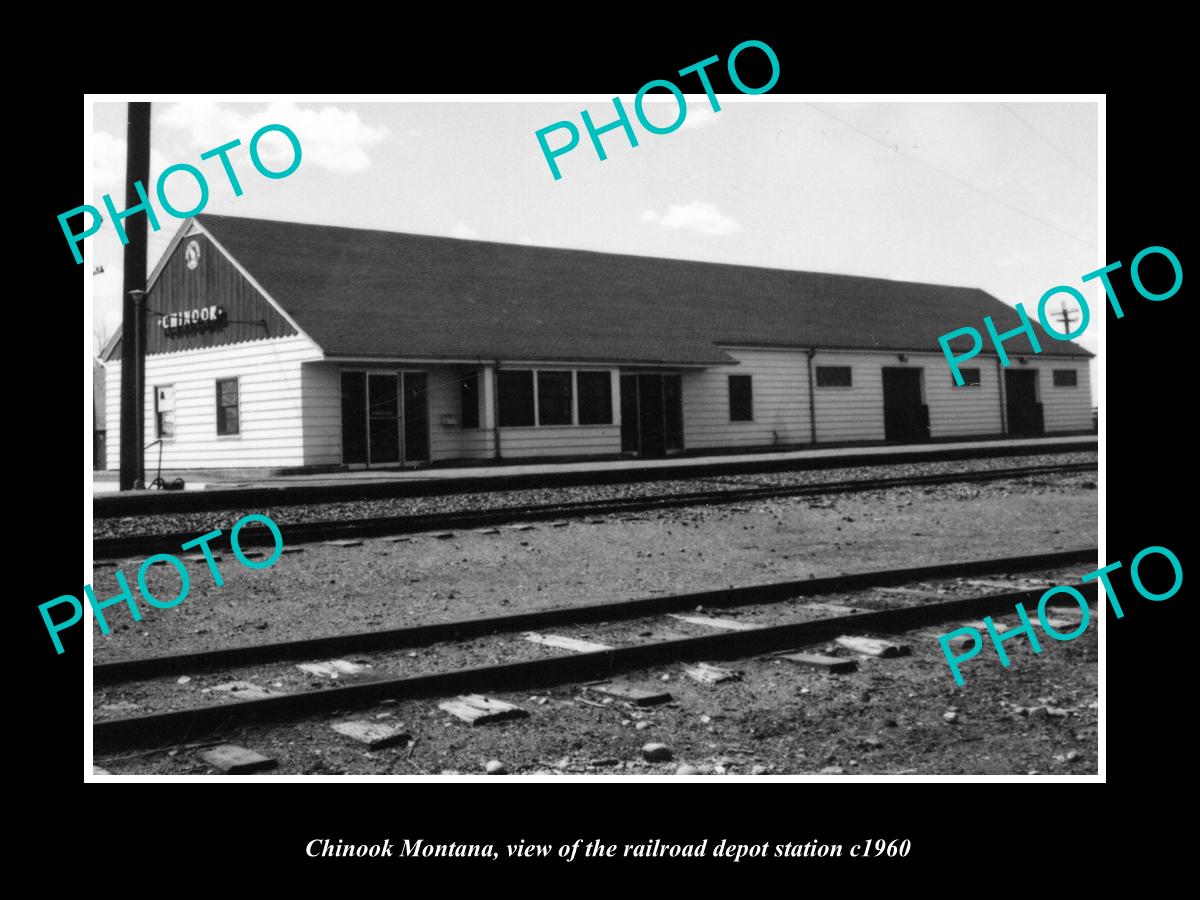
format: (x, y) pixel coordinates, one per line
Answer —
(364, 293)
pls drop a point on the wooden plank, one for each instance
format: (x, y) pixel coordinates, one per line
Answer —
(831, 609)
(710, 622)
(707, 673)
(241, 690)
(334, 668)
(234, 760)
(480, 710)
(1007, 585)
(908, 592)
(375, 735)
(565, 643)
(635, 695)
(825, 663)
(344, 542)
(872, 646)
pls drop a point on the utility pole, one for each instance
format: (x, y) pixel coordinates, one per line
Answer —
(133, 309)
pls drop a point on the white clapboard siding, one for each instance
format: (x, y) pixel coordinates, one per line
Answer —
(269, 405)
(960, 411)
(561, 440)
(779, 394)
(1064, 408)
(321, 396)
(854, 413)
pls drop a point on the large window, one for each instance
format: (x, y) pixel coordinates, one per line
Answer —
(595, 398)
(468, 391)
(228, 420)
(516, 397)
(970, 378)
(833, 376)
(554, 398)
(164, 411)
(1066, 378)
(741, 399)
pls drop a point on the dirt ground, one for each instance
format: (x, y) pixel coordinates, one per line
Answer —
(390, 583)
(892, 716)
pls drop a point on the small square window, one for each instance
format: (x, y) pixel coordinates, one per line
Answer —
(834, 376)
(970, 378)
(1066, 378)
(228, 420)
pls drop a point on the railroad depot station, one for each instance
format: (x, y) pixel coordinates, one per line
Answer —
(279, 347)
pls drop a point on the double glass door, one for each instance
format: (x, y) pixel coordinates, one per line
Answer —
(385, 418)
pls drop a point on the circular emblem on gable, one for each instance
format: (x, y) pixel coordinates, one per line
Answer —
(192, 254)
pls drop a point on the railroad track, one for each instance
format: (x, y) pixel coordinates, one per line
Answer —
(159, 502)
(310, 532)
(171, 727)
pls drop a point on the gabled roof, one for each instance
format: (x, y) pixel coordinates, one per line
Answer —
(380, 294)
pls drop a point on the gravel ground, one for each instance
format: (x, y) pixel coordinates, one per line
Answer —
(203, 688)
(892, 716)
(392, 583)
(404, 506)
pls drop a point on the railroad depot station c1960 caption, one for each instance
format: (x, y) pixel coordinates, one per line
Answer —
(275, 346)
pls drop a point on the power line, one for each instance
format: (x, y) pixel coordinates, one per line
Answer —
(1053, 146)
(957, 180)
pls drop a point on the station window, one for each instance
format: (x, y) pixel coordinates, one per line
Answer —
(970, 378)
(741, 399)
(554, 398)
(833, 376)
(164, 411)
(595, 398)
(228, 420)
(468, 392)
(1066, 378)
(516, 397)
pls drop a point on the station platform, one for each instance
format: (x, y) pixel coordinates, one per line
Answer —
(211, 490)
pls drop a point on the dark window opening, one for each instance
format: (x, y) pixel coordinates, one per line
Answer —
(227, 406)
(595, 398)
(468, 391)
(1066, 378)
(741, 400)
(516, 397)
(970, 378)
(554, 398)
(833, 376)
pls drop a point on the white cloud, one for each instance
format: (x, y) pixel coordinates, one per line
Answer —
(697, 215)
(108, 167)
(463, 230)
(330, 138)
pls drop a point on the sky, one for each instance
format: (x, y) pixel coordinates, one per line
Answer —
(999, 196)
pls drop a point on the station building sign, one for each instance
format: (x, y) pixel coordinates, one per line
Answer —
(192, 320)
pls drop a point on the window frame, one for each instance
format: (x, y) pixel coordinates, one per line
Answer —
(748, 380)
(604, 374)
(537, 389)
(1074, 373)
(157, 412)
(230, 435)
(966, 381)
(832, 387)
(532, 373)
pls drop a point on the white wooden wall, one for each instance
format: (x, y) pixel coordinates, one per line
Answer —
(1063, 408)
(269, 406)
(779, 393)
